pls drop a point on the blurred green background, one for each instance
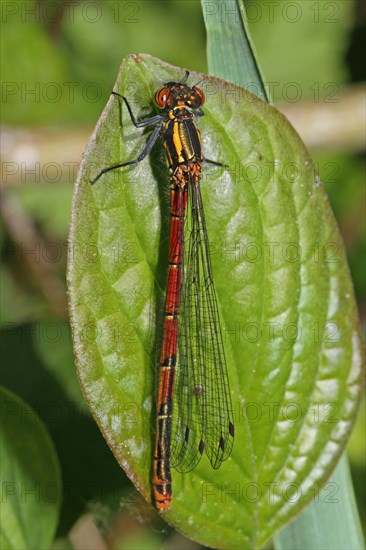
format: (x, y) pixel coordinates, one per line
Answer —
(59, 63)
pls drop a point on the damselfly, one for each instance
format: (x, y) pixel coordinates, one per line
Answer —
(193, 402)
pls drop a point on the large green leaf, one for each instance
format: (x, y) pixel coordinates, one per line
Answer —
(285, 298)
(30, 478)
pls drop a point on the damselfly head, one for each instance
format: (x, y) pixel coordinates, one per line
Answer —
(177, 94)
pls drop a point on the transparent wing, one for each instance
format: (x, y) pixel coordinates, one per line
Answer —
(202, 413)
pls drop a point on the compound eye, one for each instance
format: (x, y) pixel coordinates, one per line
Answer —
(161, 97)
(200, 96)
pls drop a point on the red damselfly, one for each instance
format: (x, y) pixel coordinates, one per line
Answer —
(193, 403)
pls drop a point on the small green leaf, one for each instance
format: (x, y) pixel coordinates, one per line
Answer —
(30, 478)
(285, 297)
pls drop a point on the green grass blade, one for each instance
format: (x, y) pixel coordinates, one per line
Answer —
(230, 54)
(331, 523)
